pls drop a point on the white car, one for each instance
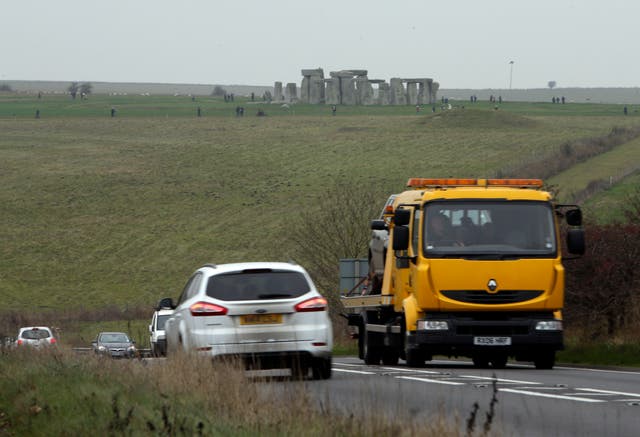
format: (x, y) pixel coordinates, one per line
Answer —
(269, 314)
(157, 339)
(35, 336)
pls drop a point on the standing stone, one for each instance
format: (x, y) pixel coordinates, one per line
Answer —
(384, 92)
(364, 91)
(290, 93)
(277, 91)
(348, 90)
(398, 96)
(312, 86)
(412, 93)
(435, 86)
(332, 91)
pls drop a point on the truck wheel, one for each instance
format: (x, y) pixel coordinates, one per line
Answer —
(390, 356)
(480, 361)
(370, 353)
(545, 360)
(499, 361)
(413, 357)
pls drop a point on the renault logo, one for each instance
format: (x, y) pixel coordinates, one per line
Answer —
(492, 285)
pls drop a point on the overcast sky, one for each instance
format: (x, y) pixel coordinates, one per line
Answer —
(459, 43)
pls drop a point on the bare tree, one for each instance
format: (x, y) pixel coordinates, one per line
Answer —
(218, 91)
(339, 227)
(85, 88)
(551, 84)
(73, 89)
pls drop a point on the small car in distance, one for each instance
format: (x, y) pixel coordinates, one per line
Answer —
(114, 344)
(268, 314)
(35, 336)
(157, 339)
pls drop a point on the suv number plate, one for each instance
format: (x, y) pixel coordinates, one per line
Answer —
(492, 341)
(261, 319)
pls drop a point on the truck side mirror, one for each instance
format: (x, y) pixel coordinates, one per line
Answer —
(573, 217)
(378, 225)
(575, 241)
(402, 217)
(400, 238)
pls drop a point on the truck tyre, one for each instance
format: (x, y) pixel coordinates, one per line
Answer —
(390, 356)
(321, 368)
(480, 361)
(499, 361)
(370, 353)
(545, 360)
(414, 357)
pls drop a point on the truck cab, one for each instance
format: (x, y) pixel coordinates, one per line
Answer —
(475, 269)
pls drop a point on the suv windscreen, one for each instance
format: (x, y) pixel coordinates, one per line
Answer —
(491, 229)
(257, 285)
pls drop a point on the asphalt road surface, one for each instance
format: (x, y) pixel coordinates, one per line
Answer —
(560, 402)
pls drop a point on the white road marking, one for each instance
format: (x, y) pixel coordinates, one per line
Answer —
(436, 381)
(515, 381)
(582, 369)
(622, 393)
(401, 369)
(548, 395)
(362, 372)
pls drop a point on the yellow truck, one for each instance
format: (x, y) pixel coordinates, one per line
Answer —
(473, 269)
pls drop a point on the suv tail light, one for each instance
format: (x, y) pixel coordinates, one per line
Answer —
(207, 309)
(313, 304)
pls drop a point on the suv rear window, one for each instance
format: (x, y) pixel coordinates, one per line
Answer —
(257, 285)
(35, 334)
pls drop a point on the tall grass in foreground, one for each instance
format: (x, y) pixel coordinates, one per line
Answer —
(59, 393)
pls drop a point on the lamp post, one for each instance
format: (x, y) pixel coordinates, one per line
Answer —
(511, 74)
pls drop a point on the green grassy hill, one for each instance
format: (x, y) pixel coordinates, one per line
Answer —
(99, 210)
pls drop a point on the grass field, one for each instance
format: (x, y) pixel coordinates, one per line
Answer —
(99, 210)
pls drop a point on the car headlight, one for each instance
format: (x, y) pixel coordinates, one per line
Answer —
(102, 348)
(549, 325)
(131, 348)
(433, 325)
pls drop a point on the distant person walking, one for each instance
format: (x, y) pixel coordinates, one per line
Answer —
(625, 110)
(38, 113)
(199, 111)
(113, 112)
(333, 109)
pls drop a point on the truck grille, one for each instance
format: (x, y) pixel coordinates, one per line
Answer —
(484, 297)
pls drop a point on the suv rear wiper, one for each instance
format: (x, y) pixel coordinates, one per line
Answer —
(273, 295)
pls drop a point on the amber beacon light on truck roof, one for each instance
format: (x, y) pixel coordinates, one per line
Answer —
(469, 182)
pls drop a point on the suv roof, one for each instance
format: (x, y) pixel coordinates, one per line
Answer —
(238, 267)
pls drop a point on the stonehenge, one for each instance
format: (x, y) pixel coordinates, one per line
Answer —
(353, 87)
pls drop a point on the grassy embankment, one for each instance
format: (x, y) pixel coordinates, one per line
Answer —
(65, 394)
(101, 211)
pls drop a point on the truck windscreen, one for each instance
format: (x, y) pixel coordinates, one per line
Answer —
(491, 229)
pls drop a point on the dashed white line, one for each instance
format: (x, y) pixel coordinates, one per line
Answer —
(622, 393)
(361, 372)
(548, 395)
(436, 381)
(515, 381)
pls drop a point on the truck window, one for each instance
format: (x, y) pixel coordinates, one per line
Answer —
(489, 228)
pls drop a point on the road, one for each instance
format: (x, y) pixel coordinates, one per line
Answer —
(560, 402)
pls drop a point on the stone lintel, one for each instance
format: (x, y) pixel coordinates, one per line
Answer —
(426, 79)
(313, 72)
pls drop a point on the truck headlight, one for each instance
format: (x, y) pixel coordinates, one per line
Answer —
(433, 325)
(549, 325)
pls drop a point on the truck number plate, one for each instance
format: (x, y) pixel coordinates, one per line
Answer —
(492, 341)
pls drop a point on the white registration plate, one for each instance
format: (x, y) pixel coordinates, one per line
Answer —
(492, 341)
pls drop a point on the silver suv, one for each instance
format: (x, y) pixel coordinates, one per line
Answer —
(269, 314)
